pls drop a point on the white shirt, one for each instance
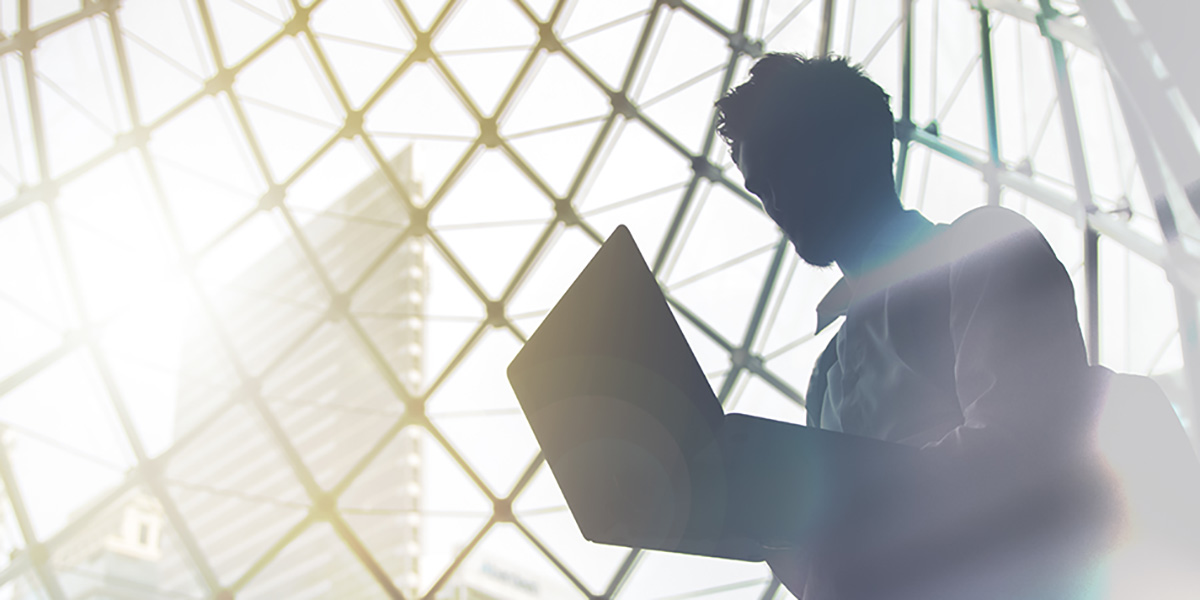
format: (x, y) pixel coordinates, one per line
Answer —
(965, 342)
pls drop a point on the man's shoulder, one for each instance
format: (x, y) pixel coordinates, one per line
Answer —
(987, 229)
(993, 218)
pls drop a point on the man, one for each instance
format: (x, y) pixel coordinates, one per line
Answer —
(962, 340)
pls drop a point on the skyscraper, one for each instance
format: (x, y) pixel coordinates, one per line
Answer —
(230, 476)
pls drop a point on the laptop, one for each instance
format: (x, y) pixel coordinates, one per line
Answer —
(640, 445)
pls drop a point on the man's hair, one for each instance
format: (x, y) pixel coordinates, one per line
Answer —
(825, 104)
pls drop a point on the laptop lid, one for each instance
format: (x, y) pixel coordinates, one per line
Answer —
(623, 412)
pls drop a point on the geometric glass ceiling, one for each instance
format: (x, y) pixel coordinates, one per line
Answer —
(263, 263)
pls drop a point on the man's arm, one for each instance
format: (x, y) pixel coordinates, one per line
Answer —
(1020, 366)
(1022, 380)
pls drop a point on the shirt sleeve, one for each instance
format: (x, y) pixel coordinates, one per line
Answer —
(1020, 367)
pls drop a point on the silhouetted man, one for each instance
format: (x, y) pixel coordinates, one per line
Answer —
(960, 339)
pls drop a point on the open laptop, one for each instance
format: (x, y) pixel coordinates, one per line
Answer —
(640, 446)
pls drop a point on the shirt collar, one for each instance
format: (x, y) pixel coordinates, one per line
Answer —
(906, 230)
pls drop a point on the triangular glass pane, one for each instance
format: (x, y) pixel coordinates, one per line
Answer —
(1025, 89)
(17, 157)
(51, 10)
(916, 177)
(419, 110)
(884, 67)
(127, 549)
(411, 505)
(1137, 300)
(476, 409)
(29, 337)
(206, 172)
(289, 121)
(687, 48)
(360, 68)
(351, 214)
(963, 120)
(647, 215)
(62, 463)
(241, 27)
(390, 306)
(724, 13)
(792, 312)
(580, 18)
(331, 401)
(158, 84)
(725, 299)
(87, 81)
(717, 214)
(432, 160)
(384, 508)
(542, 509)
(951, 189)
(492, 235)
(557, 93)
(33, 286)
(1051, 159)
(635, 162)
(603, 36)
(235, 490)
(684, 112)
(484, 44)
(263, 289)
(922, 106)
(493, 192)
(114, 230)
(144, 349)
(344, 180)
(364, 42)
(667, 575)
(317, 560)
(1109, 154)
(486, 75)
(452, 314)
(415, 510)
(786, 29)
(56, 479)
(757, 397)
(170, 29)
(793, 363)
(555, 121)
(208, 381)
(561, 262)
(424, 13)
(869, 27)
(78, 94)
(421, 103)
(506, 564)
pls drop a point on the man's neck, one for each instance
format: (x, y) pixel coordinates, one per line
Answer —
(861, 255)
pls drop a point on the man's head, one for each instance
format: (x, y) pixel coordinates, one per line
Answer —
(813, 138)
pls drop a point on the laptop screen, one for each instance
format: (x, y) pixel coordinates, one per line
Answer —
(616, 398)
